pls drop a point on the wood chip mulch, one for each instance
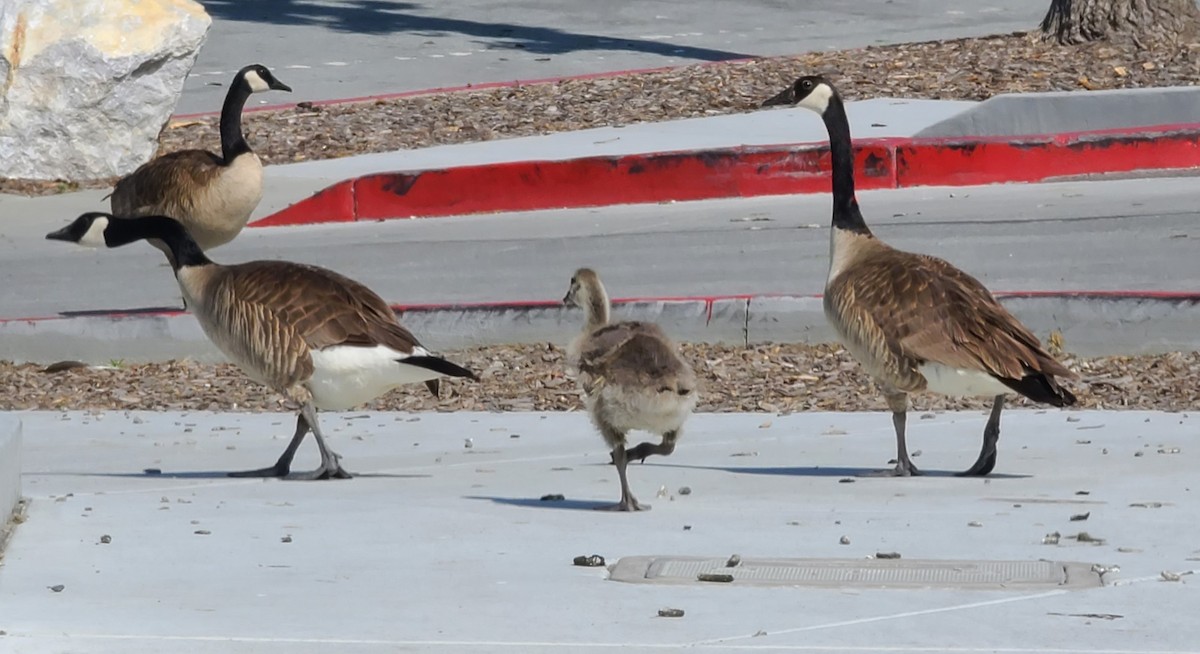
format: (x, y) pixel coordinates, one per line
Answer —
(764, 378)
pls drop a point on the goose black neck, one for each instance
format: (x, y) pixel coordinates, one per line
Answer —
(232, 141)
(184, 250)
(846, 214)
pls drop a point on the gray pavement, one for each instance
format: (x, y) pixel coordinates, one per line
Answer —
(347, 48)
(442, 548)
(1111, 235)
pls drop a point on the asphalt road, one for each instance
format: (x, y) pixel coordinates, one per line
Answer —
(1131, 234)
(348, 48)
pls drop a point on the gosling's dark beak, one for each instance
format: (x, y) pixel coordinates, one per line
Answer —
(279, 86)
(63, 234)
(567, 299)
(787, 96)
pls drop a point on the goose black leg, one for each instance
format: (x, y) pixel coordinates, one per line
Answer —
(644, 450)
(991, 435)
(284, 465)
(331, 467)
(628, 501)
(898, 403)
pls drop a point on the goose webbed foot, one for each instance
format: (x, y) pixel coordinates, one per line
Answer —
(902, 469)
(330, 468)
(628, 503)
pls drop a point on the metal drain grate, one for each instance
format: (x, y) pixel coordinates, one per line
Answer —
(861, 573)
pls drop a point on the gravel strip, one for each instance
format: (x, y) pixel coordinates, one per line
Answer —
(766, 378)
(960, 69)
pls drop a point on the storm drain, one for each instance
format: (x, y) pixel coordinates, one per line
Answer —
(858, 573)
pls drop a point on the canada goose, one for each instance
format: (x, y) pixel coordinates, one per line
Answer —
(213, 196)
(632, 377)
(318, 338)
(915, 322)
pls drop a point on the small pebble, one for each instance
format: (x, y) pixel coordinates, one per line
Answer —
(687, 527)
(887, 555)
(685, 490)
(1072, 418)
(734, 561)
(469, 443)
(553, 497)
(974, 523)
(844, 540)
(153, 471)
(715, 577)
(593, 561)
(846, 480)
(106, 539)
(1167, 575)
(915, 453)
(202, 532)
(514, 435)
(1080, 517)
(1051, 539)
(670, 613)
(286, 539)
(662, 492)
(1139, 453)
(58, 588)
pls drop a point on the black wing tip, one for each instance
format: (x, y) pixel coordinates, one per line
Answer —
(1042, 388)
(439, 365)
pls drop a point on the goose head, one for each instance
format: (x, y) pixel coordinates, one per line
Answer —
(584, 285)
(86, 230)
(257, 79)
(811, 92)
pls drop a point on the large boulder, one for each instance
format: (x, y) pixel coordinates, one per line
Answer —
(87, 85)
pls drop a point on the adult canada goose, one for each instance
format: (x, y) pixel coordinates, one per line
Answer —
(212, 195)
(915, 322)
(320, 339)
(632, 378)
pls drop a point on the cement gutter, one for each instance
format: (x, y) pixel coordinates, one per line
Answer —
(1092, 324)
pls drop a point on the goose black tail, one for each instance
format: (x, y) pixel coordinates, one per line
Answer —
(1041, 388)
(439, 365)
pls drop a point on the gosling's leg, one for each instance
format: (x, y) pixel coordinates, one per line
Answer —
(898, 403)
(331, 467)
(284, 465)
(644, 450)
(991, 435)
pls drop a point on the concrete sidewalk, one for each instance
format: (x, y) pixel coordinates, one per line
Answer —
(447, 548)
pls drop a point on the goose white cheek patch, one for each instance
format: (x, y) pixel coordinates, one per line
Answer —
(256, 82)
(818, 99)
(94, 236)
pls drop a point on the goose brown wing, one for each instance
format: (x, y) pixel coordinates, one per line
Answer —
(633, 353)
(926, 310)
(163, 181)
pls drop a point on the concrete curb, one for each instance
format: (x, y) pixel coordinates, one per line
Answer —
(742, 172)
(1092, 324)
(10, 470)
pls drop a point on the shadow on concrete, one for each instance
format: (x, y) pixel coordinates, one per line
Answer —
(535, 503)
(389, 17)
(818, 471)
(208, 474)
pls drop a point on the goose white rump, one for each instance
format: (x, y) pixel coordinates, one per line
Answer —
(957, 382)
(346, 376)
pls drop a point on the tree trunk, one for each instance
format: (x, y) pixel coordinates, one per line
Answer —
(1145, 21)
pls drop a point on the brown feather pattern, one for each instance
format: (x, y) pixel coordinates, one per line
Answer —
(272, 314)
(634, 354)
(165, 185)
(898, 310)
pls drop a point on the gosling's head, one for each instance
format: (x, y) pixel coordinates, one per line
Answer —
(257, 79)
(811, 92)
(583, 283)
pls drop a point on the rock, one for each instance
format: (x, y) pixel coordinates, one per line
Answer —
(87, 85)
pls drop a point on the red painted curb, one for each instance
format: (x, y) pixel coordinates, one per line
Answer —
(709, 300)
(740, 172)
